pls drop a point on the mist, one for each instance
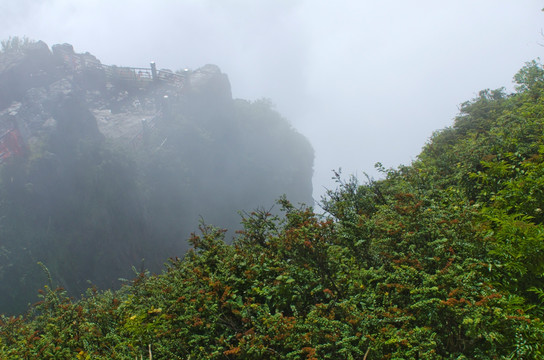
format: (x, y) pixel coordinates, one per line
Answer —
(363, 81)
(169, 179)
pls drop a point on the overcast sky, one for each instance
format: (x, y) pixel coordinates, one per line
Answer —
(364, 80)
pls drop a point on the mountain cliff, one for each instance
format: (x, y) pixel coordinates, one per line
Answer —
(108, 167)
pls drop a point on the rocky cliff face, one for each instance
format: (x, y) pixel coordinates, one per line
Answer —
(44, 91)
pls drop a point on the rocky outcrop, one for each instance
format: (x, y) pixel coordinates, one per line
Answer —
(44, 92)
(85, 69)
(55, 110)
(211, 82)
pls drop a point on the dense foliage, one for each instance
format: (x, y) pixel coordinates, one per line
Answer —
(442, 259)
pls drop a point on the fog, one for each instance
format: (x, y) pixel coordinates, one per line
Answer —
(365, 81)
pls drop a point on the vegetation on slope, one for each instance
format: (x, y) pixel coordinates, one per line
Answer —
(440, 260)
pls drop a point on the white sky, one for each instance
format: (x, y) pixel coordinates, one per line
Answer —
(364, 80)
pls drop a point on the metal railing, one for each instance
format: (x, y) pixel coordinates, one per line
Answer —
(136, 74)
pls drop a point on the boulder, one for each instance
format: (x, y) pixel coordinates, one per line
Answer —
(211, 82)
